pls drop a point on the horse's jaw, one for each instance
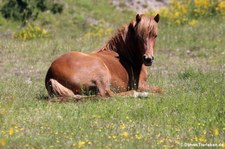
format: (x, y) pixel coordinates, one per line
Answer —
(148, 64)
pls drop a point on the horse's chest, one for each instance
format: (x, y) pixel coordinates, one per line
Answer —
(119, 78)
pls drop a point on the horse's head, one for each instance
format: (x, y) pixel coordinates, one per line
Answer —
(146, 30)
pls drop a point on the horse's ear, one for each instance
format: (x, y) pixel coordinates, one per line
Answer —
(156, 18)
(138, 18)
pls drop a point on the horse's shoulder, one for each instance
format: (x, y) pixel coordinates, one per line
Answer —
(107, 53)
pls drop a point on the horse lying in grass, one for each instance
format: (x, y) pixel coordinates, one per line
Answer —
(118, 68)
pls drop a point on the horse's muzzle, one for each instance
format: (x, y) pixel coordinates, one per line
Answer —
(147, 60)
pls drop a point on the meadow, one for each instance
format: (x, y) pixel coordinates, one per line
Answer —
(189, 66)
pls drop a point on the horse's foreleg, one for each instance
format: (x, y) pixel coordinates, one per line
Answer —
(144, 87)
(104, 88)
(155, 90)
(142, 81)
(143, 84)
(105, 91)
(134, 93)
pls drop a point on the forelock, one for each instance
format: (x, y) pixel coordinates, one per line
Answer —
(146, 25)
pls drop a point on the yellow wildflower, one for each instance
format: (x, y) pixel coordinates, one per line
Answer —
(195, 139)
(202, 3)
(25, 36)
(202, 138)
(122, 126)
(176, 142)
(138, 136)
(193, 22)
(11, 131)
(161, 141)
(164, 12)
(158, 135)
(221, 7)
(44, 32)
(80, 144)
(176, 14)
(166, 146)
(2, 142)
(89, 142)
(178, 9)
(202, 7)
(125, 134)
(216, 132)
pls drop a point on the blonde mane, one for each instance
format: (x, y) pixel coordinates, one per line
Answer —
(125, 41)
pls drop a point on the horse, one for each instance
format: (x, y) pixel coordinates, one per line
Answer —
(119, 67)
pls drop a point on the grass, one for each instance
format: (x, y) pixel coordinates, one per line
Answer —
(189, 67)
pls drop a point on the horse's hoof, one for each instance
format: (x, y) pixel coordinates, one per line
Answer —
(140, 94)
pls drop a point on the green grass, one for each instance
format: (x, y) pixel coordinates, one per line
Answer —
(189, 67)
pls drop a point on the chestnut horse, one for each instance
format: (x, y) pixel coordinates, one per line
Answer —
(119, 67)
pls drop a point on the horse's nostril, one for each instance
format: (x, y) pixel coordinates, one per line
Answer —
(148, 60)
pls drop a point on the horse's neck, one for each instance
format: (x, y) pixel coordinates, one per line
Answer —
(125, 46)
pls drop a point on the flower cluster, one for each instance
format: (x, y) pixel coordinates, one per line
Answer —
(187, 12)
(31, 32)
(114, 134)
(221, 7)
(99, 29)
(203, 7)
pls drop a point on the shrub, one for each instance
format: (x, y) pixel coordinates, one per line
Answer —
(31, 32)
(23, 10)
(56, 8)
(188, 12)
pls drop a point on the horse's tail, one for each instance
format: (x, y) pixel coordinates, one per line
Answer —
(56, 89)
(61, 92)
